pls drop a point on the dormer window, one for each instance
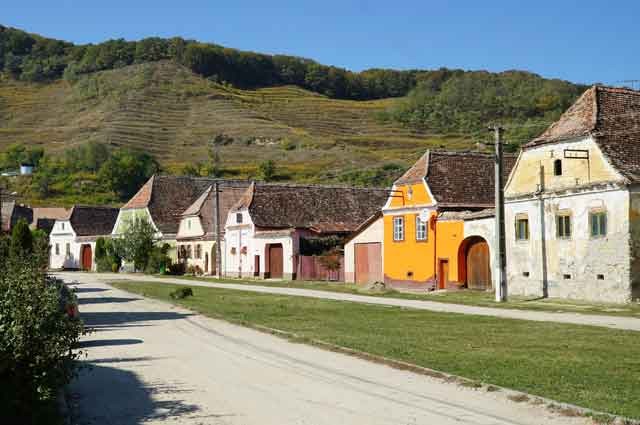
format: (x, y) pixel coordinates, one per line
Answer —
(239, 218)
(557, 167)
(62, 226)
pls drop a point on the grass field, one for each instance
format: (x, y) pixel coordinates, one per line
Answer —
(588, 366)
(475, 298)
(166, 110)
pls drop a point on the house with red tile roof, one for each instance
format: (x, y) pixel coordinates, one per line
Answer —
(573, 206)
(73, 238)
(438, 225)
(270, 228)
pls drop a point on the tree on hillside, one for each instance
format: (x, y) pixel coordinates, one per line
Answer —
(267, 170)
(125, 171)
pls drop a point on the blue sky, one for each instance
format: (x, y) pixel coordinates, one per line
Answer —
(582, 41)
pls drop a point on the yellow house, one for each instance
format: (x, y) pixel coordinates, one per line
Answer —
(438, 222)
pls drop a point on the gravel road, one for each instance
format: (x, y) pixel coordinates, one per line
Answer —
(149, 362)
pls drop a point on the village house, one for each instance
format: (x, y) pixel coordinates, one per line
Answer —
(73, 238)
(275, 229)
(161, 201)
(573, 203)
(197, 231)
(11, 212)
(438, 225)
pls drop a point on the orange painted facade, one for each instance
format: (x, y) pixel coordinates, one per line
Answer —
(413, 261)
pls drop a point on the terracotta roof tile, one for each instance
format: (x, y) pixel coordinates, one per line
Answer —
(612, 117)
(323, 208)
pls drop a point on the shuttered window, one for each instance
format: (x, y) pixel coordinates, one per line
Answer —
(398, 228)
(598, 223)
(563, 226)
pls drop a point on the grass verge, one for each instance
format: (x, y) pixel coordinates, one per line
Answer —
(587, 366)
(465, 297)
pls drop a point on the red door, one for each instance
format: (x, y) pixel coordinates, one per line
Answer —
(87, 257)
(368, 263)
(275, 261)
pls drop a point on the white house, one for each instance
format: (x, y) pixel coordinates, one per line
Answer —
(573, 203)
(267, 229)
(196, 238)
(73, 238)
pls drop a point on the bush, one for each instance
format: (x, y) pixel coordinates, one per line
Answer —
(21, 239)
(108, 257)
(181, 293)
(159, 261)
(36, 355)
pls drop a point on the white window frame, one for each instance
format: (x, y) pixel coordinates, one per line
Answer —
(422, 232)
(519, 219)
(398, 228)
(561, 229)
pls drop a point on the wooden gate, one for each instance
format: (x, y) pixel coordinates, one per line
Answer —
(443, 273)
(478, 266)
(368, 263)
(87, 257)
(275, 261)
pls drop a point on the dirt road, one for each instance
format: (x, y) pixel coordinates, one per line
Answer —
(150, 362)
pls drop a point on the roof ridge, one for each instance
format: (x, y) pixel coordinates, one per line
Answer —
(314, 186)
(616, 89)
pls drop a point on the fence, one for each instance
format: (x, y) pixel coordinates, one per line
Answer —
(310, 268)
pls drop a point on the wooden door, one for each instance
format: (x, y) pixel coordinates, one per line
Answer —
(275, 261)
(87, 257)
(443, 273)
(368, 263)
(478, 267)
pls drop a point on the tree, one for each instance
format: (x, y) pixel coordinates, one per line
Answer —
(138, 242)
(331, 262)
(125, 171)
(21, 240)
(267, 170)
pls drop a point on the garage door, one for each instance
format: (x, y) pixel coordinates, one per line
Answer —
(368, 267)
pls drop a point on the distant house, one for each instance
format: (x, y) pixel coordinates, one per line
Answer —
(197, 232)
(573, 203)
(73, 238)
(438, 223)
(363, 252)
(26, 169)
(12, 212)
(267, 228)
(45, 217)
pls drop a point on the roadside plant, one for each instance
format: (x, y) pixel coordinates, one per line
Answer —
(331, 262)
(37, 356)
(21, 239)
(108, 255)
(138, 242)
(159, 260)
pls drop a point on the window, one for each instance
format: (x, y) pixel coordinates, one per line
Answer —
(57, 249)
(398, 228)
(421, 229)
(522, 228)
(188, 251)
(563, 226)
(198, 251)
(189, 224)
(238, 218)
(557, 167)
(62, 226)
(598, 224)
(68, 249)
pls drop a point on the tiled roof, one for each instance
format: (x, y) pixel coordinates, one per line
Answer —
(458, 179)
(323, 208)
(12, 212)
(230, 192)
(93, 221)
(612, 117)
(44, 217)
(168, 197)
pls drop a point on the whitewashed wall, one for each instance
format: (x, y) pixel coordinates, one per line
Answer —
(62, 234)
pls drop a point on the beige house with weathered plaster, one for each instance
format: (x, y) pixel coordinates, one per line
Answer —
(573, 203)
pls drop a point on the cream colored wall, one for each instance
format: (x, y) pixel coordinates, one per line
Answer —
(62, 234)
(207, 247)
(373, 233)
(190, 227)
(524, 178)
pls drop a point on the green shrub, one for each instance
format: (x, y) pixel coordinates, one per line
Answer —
(36, 342)
(181, 293)
(159, 260)
(21, 239)
(108, 257)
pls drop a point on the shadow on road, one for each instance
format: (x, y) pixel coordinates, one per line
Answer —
(108, 342)
(104, 395)
(104, 300)
(108, 319)
(85, 290)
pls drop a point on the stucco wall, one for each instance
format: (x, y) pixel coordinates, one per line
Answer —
(62, 234)
(484, 228)
(572, 265)
(207, 254)
(525, 176)
(190, 227)
(373, 233)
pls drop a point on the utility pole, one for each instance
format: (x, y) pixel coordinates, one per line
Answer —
(218, 247)
(500, 257)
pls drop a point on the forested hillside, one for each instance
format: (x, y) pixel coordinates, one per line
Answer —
(295, 118)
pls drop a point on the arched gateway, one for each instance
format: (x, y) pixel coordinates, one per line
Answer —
(474, 263)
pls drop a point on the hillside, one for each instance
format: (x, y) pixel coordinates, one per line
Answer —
(166, 110)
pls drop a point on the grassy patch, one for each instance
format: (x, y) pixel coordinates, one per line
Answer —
(475, 298)
(588, 366)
